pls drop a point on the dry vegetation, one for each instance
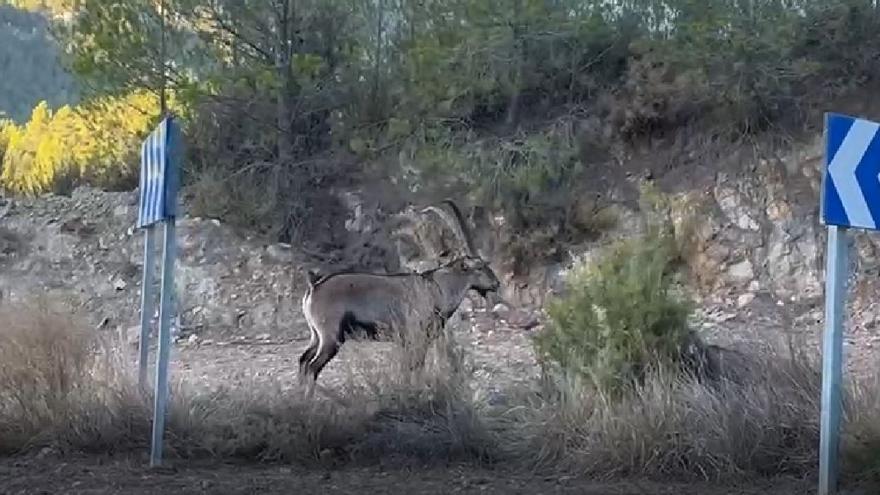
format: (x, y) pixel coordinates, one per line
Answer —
(65, 387)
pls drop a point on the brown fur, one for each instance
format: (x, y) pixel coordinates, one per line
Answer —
(389, 306)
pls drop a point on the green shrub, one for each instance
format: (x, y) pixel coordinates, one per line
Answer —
(620, 316)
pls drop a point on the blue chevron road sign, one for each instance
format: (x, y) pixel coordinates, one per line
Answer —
(851, 189)
(850, 199)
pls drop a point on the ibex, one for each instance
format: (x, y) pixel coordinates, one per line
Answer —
(384, 305)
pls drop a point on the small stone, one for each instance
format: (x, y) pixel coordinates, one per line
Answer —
(744, 299)
(119, 284)
(280, 252)
(192, 339)
(522, 320)
(263, 336)
(741, 272)
(500, 308)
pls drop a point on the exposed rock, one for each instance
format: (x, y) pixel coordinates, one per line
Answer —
(741, 272)
(742, 234)
(744, 300)
(734, 206)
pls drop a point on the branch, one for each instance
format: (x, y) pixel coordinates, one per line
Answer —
(217, 18)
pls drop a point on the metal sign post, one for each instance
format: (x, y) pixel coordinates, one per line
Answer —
(146, 304)
(159, 184)
(850, 199)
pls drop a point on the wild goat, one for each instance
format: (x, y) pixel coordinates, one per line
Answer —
(382, 305)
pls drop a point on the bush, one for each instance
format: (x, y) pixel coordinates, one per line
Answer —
(619, 316)
(233, 173)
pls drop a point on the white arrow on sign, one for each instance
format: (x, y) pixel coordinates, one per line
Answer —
(843, 170)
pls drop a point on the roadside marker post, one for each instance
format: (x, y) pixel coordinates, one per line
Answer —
(850, 198)
(159, 185)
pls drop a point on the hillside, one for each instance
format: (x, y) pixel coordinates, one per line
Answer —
(754, 242)
(30, 65)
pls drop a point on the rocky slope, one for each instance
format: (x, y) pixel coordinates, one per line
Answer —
(755, 248)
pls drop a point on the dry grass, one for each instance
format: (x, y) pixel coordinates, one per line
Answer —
(680, 427)
(64, 387)
(60, 385)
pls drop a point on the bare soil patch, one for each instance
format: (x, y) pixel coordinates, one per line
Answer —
(98, 475)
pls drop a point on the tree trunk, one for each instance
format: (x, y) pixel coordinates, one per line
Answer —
(376, 103)
(513, 105)
(285, 88)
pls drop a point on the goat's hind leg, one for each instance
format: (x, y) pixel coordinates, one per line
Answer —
(309, 353)
(327, 351)
(305, 358)
(324, 352)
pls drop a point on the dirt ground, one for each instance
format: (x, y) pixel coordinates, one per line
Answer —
(131, 476)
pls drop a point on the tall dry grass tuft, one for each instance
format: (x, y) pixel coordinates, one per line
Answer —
(64, 385)
(861, 444)
(382, 413)
(764, 423)
(61, 385)
(424, 413)
(674, 425)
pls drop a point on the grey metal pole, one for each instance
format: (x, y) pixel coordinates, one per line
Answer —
(161, 396)
(147, 298)
(832, 358)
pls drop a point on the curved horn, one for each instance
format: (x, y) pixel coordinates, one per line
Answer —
(462, 227)
(456, 228)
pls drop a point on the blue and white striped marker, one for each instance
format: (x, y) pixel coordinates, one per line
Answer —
(850, 199)
(159, 184)
(160, 168)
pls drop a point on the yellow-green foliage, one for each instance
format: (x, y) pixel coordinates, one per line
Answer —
(97, 142)
(6, 127)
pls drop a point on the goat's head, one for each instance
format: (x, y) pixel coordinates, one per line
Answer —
(479, 275)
